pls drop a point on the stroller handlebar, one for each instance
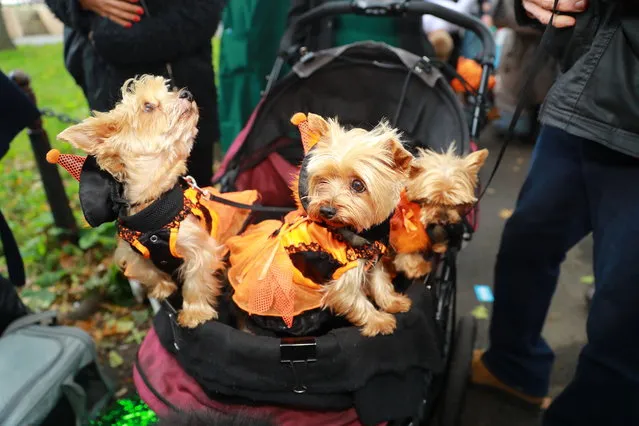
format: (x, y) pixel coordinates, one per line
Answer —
(392, 8)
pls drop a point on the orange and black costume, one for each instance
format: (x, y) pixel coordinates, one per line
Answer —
(153, 231)
(278, 268)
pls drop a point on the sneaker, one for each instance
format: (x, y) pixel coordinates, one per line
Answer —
(481, 376)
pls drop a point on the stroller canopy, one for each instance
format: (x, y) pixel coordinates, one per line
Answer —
(360, 84)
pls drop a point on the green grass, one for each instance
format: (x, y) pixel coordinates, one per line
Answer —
(57, 273)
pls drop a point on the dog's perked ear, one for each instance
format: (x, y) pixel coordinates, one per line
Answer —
(402, 158)
(317, 124)
(90, 133)
(415, 170)
(476, 160)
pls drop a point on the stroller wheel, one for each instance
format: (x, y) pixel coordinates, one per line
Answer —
(454, 392)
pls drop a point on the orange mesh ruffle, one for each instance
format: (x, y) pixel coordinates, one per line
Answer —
(407, 234)
(264, 278)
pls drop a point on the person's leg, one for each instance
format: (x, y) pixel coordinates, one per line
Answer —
(550, 217)
(605, 389)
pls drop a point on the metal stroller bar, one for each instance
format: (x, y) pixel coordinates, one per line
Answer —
(395, 8)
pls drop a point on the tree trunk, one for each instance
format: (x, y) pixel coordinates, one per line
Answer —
(5, 41)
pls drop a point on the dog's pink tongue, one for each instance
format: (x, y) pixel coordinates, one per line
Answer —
(70, 162)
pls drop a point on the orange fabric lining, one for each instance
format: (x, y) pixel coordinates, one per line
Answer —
(173, 242)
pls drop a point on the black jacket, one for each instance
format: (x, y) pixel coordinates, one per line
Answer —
(102, 55)
(596, 95)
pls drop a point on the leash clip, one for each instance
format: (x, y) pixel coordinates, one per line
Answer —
(193, 184)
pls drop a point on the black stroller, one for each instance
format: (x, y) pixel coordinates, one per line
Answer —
(417, 375)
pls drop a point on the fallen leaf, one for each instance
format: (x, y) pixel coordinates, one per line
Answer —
(135, 336)
(490, 191)
(587, 279)
(124, 326)
(115, 360)
(505, 213)
(480, 312)
(41, 299)
(114, 308)
(516, 169)
(140, 316)
(87, 325)
(121, 393)
(520, 160)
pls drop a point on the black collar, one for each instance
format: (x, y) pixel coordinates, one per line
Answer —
(157, 214)
(378, 232)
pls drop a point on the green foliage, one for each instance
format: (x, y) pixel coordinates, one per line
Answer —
(51, 265)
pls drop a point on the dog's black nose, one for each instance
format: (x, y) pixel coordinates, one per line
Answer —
(185, 94)
(327, 211)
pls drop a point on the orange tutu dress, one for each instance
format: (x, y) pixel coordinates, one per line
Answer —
(278, 268)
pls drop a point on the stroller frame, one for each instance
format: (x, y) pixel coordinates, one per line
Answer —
(443, 392)
(457, 341)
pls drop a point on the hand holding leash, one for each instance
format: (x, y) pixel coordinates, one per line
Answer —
(542, 10)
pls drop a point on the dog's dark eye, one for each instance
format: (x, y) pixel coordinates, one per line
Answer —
(148, 107)
(358, 186)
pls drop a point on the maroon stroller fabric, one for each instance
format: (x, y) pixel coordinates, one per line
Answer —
(163, 373)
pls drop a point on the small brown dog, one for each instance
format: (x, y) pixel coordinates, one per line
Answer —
(355, 178)
(144, 143)
(443, 185)
(328, 254)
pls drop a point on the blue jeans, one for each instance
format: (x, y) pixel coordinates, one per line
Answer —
(574, 187)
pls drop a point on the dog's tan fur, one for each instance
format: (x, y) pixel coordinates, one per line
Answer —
(443, 184)
(377, 160)
(144, 142)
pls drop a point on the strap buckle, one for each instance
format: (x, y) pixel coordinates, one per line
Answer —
(298, 350)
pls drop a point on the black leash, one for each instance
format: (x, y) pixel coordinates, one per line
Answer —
(253, 207)
(538, 62)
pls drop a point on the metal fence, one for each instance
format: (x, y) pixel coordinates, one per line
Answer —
(49, 173)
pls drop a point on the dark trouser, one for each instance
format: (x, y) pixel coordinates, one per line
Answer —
(574, 187)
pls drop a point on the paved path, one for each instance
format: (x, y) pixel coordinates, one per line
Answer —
(38, 40)
(565, 328)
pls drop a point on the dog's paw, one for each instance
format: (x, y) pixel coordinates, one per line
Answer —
(399, 304)
(418, 269)
(413, 265)
(163, 289)
(192, 316)
(440, 248)
(380, 323)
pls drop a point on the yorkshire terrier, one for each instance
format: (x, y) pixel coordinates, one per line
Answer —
(355, 178)
(443, 185)
(328, 254)
(144, 143)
